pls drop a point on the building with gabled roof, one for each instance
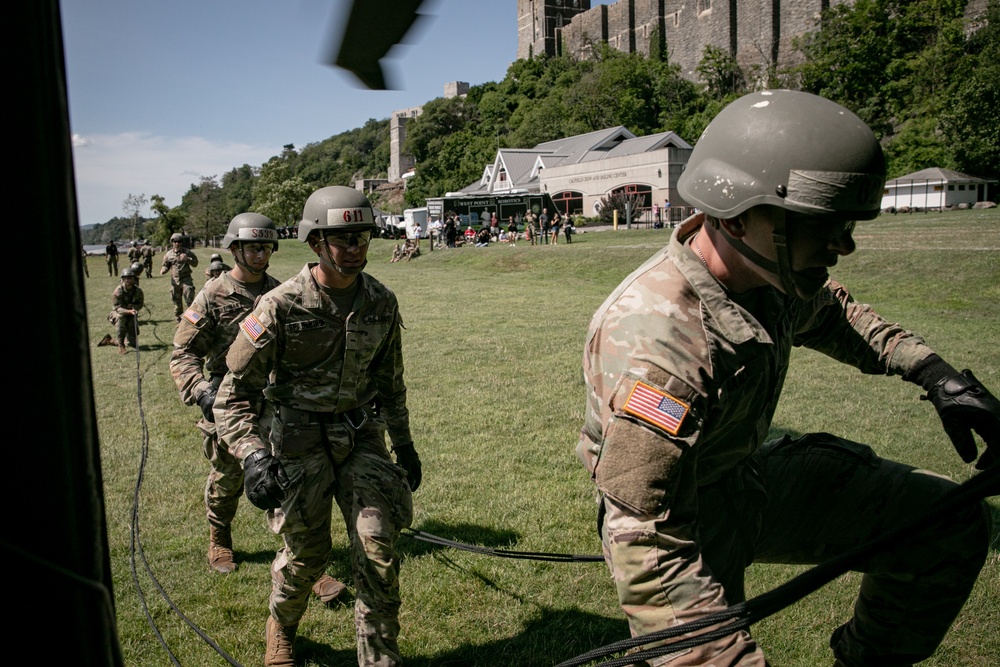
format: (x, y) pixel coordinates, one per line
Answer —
(578, 171)
(934, 188)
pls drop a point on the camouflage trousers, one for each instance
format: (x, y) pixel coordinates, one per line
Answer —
(182, 294)
(375, 503)
(126, 328)
(802, 501)
(225, 479)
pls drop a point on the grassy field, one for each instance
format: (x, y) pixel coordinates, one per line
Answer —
(493, 345)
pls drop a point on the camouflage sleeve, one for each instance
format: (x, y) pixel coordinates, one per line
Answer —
(140, 299)
(388, 376)
(192, 344)
(118, 302)
(855, 334)
(192, 258)
(250, 360)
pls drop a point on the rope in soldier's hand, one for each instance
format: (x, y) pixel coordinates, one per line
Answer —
(747, 613)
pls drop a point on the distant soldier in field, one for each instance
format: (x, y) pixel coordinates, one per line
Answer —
(147, 258)
(222, 266)
(134, 253)
(179, 260)
(684, 364)
(325, 346)
(126, 302)
(111, 257)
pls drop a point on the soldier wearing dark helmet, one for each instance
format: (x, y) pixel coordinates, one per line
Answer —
(126, 302)
(178, 261)
(204, 333)
(216, 266)
(325, 347)
(684, 364)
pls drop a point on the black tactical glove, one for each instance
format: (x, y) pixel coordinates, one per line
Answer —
(206, 402)
(965, 405)
(406, 457)
(264, 480)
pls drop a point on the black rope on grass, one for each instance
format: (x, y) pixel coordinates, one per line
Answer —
(499, 553)
(136, 541)
(752, 611)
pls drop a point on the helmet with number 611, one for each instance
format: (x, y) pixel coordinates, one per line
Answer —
(336, 209)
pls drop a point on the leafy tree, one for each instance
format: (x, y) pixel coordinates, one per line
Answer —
(722, 75)
(279, 195)
(237, 191)
(167, 221)
(132, 205)
(621, 202)
(203, 208)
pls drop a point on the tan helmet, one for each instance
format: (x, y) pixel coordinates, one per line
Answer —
(790, 149)
(251, 228)
(336, 208)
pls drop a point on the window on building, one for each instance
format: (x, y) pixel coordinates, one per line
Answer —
(644, 192)
(704, 6)
(674, 18)
(938, 188)
(961, 187)
(569, 202)
(951, 188)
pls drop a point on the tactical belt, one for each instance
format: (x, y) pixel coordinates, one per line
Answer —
(354, 418)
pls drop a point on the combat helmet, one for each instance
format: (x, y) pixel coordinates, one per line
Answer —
(129, 272)
(217, 265)
(251, 228)
(789, 149)
(336, 208)
(177, 237)
(796, 151)
(136, 269)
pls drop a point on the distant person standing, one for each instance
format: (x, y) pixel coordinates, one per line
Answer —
(111, 256)
(556, 226)
(179, 260)
(147, 258)
(543, 221)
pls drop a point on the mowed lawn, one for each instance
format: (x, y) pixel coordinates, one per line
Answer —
(493, 345)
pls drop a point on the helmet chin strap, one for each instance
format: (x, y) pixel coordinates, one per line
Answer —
(326, 259)
(240, 259)
(782, 268)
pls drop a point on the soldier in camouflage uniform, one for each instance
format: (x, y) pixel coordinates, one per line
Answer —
(147, 253)
(198, 364)
(329, 338)
(684, 364)
(126, 302)
(212, 269)
(179, 260)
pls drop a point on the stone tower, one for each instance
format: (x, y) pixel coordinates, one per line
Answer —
(539, 23)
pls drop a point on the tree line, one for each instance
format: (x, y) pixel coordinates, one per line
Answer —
(926, 82)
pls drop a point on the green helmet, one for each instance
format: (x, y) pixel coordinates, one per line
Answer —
(336, 208)
(177, 236)
(251, 228)
(128, 272)
(789, 149)
(136, 268)
(217, 265)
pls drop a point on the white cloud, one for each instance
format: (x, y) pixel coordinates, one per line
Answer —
(110, 167)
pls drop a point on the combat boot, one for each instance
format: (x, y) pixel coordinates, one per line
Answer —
(280, 640)
(220, 550)
(328, 589)
(121, 346)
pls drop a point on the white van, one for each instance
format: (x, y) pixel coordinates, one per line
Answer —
(413, 217)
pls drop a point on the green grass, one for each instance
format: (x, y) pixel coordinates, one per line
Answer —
(493, 344)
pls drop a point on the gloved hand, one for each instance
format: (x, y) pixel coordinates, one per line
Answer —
(965, 405)
(206, 402)
(406, 457)
(264, 480)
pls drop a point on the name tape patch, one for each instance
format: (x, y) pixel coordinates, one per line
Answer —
(656, 407)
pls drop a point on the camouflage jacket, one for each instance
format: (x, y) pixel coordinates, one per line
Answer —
(207, 329)
(320, 359)
(147, 253)
(122, 300)
(683, 380)
(134, 254)
(179, 264)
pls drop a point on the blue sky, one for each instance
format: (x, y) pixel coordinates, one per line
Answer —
(162, 93)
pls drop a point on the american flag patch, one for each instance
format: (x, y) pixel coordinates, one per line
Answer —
(252, 327)
(192, 316)
(656, 407)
